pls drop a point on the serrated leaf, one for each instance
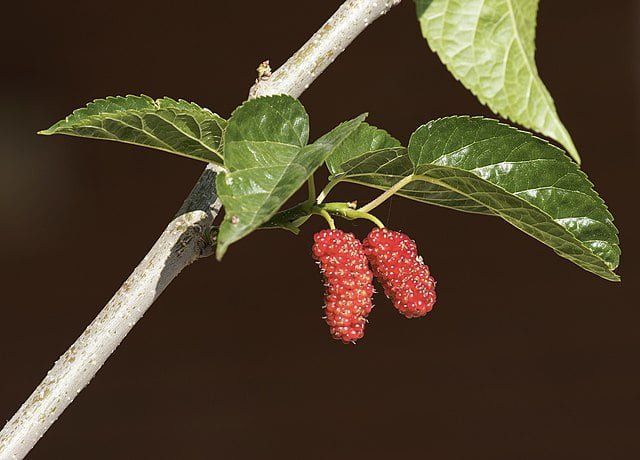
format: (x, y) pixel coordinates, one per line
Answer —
(385, 162)
(383, 169)
(480, 165)
(365, 138)
(178, 127)
(489, 45)
(266, 161)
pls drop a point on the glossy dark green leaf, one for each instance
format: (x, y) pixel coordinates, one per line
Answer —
(178, 127)
(480, 165)
(383, 169)
(266, 160)
(365, 138)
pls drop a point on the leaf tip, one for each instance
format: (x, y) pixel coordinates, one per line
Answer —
(221, 249)
(573, 152)
(614, 277)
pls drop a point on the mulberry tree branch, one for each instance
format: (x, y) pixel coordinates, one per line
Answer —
(185, 240)
(182, 242)
(322, 48)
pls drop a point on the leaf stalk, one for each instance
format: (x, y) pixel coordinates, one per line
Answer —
(387, 194)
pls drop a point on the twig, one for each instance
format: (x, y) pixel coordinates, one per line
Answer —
(322, 48)
(185, 240)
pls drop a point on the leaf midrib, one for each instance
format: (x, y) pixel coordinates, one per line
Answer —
(100, 118)
(155, 114)
(439, 162)
(530, 67)
(499, 211)
(260, 211)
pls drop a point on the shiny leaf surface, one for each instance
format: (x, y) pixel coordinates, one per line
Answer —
(267, 159)
(178, 127)
(480, 165)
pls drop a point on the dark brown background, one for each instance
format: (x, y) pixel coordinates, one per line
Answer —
(525, 357)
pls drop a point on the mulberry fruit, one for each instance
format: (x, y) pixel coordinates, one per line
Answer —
(348, 281)
(401, 271)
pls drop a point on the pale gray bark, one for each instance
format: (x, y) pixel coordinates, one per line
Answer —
(322, 48)
(185, 240)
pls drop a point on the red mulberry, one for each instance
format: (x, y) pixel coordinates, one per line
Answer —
(401, 271)
(348, 281)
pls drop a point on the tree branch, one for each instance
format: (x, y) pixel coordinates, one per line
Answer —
(185, 240)
(295, 75)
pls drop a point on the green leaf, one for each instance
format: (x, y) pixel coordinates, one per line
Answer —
(480, 165)
(178, 127)
(383, 169)
(373, 157)
(365, 138)
(489, 45)
(266, 160)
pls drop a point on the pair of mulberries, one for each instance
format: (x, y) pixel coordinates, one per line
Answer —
(394, 261)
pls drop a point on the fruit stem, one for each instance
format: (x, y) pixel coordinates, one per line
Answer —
(387, 194)
(349, 211)
(322, 212)
(354, 214)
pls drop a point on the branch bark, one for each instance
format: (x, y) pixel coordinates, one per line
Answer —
(185, 240)
(301, 69)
